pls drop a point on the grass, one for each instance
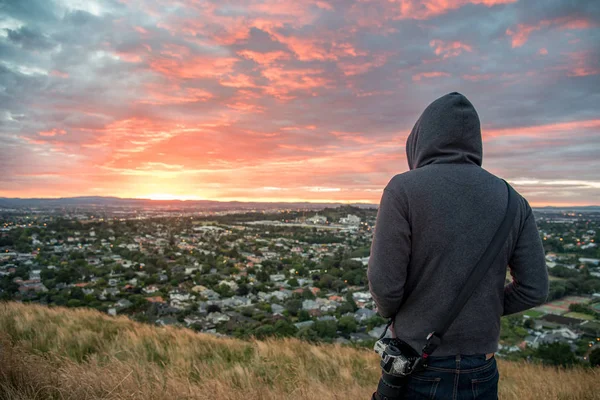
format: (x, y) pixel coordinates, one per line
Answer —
(68, 354)
(534, 313)
(579, 316)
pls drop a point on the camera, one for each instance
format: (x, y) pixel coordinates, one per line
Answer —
(398, 358)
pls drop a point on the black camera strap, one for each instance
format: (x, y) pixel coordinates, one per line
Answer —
(434, 339)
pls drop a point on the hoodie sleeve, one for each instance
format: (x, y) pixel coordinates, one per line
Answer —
(390, 255)
(527, 264)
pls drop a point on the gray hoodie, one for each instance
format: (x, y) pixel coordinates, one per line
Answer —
(433, 224)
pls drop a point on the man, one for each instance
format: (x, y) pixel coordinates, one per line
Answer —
(433, 223)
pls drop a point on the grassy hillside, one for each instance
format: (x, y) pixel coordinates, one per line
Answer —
(79, 354)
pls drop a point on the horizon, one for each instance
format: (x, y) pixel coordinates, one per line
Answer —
(282, 101)
(287, 201)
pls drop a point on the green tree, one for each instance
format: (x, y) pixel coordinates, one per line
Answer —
(556, 354)
(293, 306)
(325, 329)
(283, 328)
(347, 324)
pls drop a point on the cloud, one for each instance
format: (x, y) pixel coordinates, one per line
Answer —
(521, 32)
(431, 74)
(281, 99)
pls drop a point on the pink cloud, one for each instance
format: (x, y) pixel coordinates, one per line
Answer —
(449, 49)
(284, 81)
(543, 130)
(478, 77)
(172, 93)
(362, 65)
(196, 67)
(521, 32)
(58, 73)
(425, 9)
(581, 64)
(433, 74)
(237, 81)
(53, 132)
(353, 137)
(267, 58)
(543, 51)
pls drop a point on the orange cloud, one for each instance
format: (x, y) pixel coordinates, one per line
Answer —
(196, 67)
(580, 64)
(237, 81)
(172, 93)
(478, 77)
(543, 130)
(521, 32)
(361, 66)
(53, 132)
(353, 137)
(434, 74)
(283, 81)
(449, 49)
(267, 58)
(425, 9)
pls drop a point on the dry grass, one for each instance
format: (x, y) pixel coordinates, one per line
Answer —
(55, 353)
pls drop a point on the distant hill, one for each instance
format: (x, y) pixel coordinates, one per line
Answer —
(100, 201)
(69, 354)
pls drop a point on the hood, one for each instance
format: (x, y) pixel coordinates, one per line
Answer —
(447, 132)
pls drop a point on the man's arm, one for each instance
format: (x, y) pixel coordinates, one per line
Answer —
(390, 254)
(529, 287)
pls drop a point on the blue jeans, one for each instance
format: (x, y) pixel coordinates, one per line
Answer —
(456, 378)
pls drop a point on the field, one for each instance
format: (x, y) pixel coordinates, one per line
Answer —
(67, 354)
(579, 316)
(534, 313)
(561, 307)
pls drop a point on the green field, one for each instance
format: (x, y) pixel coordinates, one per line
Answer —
(579, 316)
(534, 313)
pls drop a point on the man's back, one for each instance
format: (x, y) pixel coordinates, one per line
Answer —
(433, 224)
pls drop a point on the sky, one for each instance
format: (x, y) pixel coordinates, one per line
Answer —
(287, 100)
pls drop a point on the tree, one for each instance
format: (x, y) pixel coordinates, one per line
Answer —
(293, 282)
(264, 331)
(303, 315)
(325, 329)
(347, 324)
(213, 308)
(556, 354)
(283, 328)
(308, 334)
(293, 306)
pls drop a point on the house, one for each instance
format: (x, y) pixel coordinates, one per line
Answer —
(277, 277)
(556, 321)
(276, 309)
(232, 285)
(156, 299)
(310, 305)
(364, 314)
(303, 324)
(150, 289)
(123, 304)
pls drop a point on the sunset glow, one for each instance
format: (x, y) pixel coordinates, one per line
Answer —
(281, 100)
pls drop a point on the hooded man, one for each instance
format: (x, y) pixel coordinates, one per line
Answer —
(433, 224)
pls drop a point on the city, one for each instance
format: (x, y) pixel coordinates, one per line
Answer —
(273, 272)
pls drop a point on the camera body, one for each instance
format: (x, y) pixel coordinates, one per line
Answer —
(398, 358)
